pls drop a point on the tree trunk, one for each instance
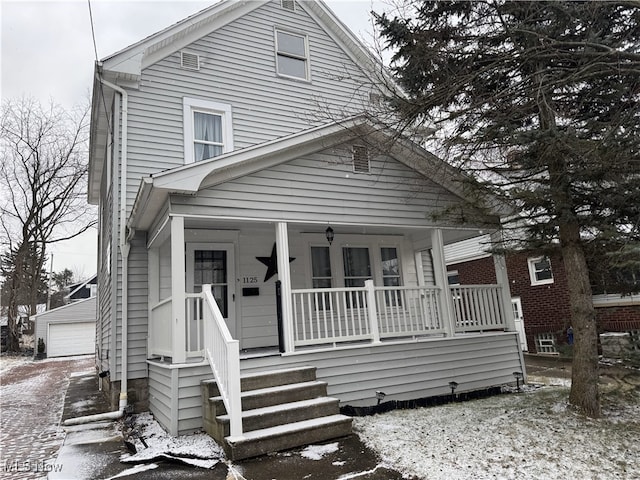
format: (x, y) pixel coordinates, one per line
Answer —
(584, 393)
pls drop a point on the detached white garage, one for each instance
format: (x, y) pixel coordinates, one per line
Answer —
(68, 330)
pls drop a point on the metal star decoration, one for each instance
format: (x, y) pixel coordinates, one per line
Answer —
(271, 263)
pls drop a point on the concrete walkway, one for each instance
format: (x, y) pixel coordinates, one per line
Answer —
(31, 401)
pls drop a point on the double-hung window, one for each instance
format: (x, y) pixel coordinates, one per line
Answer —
(540, 271)
(292, 55)
(207, 129)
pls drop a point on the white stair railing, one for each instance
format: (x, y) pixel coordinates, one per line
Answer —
(223, 354)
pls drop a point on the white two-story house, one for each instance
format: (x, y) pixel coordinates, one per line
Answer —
(234, 154)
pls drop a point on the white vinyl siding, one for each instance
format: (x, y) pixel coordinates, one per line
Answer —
(393, 195)
(78, 322)
(237, 69)
(402, 370)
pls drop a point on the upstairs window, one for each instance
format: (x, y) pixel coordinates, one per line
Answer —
(207, 129)
(540, 271)
(292, 55)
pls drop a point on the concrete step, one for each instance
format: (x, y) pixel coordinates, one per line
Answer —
(266, 397)
(267, 417)
(255, 381)
(283, 437)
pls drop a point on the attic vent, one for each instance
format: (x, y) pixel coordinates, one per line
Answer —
(360, 159)
(190, 61)
(375, 98)
(288, 5)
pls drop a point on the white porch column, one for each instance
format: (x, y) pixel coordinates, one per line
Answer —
(373, 311)
(502, 279)
(440, 275)
(178, 290)
(284, 275)
(153, 282)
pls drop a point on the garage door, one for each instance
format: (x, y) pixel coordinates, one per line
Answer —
(71, 339)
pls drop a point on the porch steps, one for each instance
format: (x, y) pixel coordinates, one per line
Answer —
(282, 409)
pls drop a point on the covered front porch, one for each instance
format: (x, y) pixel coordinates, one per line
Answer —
(371, 294)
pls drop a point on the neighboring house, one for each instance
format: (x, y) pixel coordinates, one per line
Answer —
(67, 330)
(540, 295)
(81, 290)
(228, 151)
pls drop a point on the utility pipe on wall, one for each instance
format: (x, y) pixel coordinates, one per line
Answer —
(124, 241)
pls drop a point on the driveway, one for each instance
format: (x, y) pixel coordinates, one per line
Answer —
(31, 403)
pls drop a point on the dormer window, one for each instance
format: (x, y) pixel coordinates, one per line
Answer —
(292, 55)
(208, 131)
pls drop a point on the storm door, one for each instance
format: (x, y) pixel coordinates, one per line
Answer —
(213, 264)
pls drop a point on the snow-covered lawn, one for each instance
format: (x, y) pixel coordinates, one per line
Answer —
(522, 435)
(8, 362)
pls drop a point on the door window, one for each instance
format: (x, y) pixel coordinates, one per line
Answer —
(357, 267)
(210, 267)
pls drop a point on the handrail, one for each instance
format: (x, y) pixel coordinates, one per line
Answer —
(477, 308)
(223, 354)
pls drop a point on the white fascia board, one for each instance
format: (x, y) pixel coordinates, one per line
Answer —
(63, 307)
(128, 64)
(133, 59)
(147, 204)
(195, 176)
(196, 27)
(355, 49)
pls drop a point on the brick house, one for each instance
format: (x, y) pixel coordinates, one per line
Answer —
(539, 293)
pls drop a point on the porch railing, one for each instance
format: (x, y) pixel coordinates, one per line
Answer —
(330, 315)
(223, 354)
(160, 327)
(478, 308)
(206, 335)
(194, 335)
(335, 315)
(408, 311)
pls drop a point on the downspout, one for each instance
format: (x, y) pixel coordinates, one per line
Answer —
(124, 240)
(124, 252)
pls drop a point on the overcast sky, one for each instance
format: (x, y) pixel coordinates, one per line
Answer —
(48, 53)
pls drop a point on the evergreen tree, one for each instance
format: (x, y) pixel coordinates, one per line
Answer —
(539, 102)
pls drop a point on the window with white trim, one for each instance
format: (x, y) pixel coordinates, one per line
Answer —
(453, 277)
(207, 129)
(320, 267)
(292, 55)
(540, 271)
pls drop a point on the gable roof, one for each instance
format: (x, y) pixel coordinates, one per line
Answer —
(78, 286)
(124, 68)
(189, 179)
(127, 64)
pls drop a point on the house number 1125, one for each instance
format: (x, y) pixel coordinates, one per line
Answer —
(249, 279)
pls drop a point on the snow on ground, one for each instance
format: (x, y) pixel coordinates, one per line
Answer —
(198, 449)
(8, 362)
(316, 452)
(518, 435)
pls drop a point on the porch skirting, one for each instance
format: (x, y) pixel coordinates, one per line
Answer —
(403, 370)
